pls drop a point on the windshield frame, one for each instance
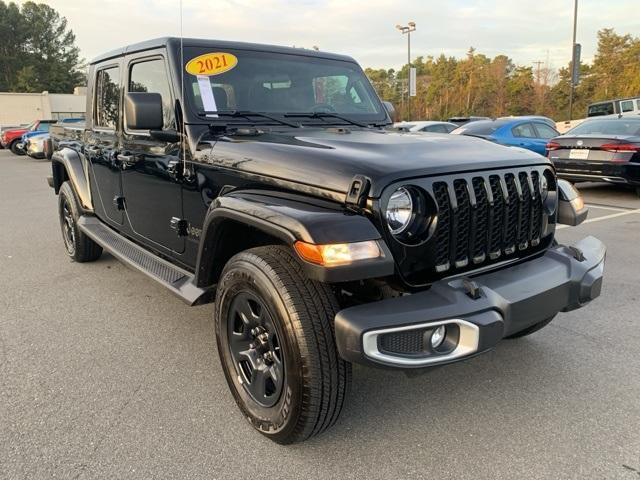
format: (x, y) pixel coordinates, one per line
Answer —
(197, 115)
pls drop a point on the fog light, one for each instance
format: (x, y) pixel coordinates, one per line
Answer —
(438, 335)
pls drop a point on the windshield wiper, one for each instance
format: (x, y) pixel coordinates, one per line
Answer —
(248, 114)
(326, 115)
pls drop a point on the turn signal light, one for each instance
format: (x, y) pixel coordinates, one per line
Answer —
(577, 203)
(338, 253)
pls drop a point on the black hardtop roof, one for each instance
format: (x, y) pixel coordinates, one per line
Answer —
(214, 44)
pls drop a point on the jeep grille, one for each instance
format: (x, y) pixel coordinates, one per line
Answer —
(483, 218)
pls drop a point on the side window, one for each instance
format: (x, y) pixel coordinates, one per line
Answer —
(151, 76)
(626, 106)
(525, 130)
(107, 97)
(435, 129)
(545, 131)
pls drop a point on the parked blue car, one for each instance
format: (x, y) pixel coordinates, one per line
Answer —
(525, 132)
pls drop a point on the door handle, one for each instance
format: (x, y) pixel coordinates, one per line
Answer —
(173, 169)
(126, 160)
(92, 151)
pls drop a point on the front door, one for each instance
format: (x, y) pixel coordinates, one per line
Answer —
(151, 183)
(101, 146)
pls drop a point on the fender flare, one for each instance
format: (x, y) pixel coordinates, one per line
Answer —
(288, 218)
(68, 164)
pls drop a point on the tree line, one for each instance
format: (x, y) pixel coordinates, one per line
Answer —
(479, 85)
(37, 50)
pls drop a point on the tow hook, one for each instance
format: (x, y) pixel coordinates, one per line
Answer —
(471, 288)
(576, 253)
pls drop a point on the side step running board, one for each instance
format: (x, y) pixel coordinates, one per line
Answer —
(178, 281)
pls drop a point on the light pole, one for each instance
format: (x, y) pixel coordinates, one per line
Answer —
(573, 58)
(408, 28)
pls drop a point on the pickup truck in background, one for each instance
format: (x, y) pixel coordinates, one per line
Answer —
(262, 179)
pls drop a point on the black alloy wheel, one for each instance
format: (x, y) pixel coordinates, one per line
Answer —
(274, 331)
(77, 244)
(256, 349)
(67, 224)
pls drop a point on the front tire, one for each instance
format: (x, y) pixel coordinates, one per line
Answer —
(14, 148)
(78, 246)
(274, 326)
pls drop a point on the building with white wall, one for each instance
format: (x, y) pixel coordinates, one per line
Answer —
(19, 108)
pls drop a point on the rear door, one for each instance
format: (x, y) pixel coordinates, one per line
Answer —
(102, 143)
(150, 182)
(543, 135)
(525, 136)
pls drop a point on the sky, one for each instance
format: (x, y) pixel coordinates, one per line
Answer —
(524, 30)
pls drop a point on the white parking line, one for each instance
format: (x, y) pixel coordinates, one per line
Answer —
(604, 217)
(606, 207)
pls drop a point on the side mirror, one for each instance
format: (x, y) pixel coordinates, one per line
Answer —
(390, 109)
(143, 111)
(571, 208)
(47, 148)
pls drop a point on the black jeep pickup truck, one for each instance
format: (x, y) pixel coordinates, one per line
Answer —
(263, 179)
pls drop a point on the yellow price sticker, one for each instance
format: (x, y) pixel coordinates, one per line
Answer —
(211, 63)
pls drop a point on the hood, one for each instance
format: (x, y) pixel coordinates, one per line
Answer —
(328, 158)
(15, 133)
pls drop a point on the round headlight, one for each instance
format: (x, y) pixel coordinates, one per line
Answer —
(399, 210)
(544, 187)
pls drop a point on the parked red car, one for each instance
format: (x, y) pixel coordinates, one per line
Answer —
(11, 138)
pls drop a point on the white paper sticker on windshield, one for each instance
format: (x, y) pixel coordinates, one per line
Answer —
(206, 93)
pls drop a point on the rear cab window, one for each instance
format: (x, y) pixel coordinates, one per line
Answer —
(598, 109)
(107, 98)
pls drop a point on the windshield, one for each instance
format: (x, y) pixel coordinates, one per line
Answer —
(607, 127)
(278, 83)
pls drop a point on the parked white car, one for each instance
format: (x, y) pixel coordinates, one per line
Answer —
(431, 126)
(34, 146)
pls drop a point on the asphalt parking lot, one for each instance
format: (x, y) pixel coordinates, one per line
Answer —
(103, 374)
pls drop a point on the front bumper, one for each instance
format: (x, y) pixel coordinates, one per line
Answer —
(395, 332)
(35, 150)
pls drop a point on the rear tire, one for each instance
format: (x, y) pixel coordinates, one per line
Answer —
(14, 148)
(78, 246)
(531, 329)
(270, 317)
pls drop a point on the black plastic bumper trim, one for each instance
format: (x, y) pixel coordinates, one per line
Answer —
(522, 295)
